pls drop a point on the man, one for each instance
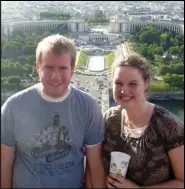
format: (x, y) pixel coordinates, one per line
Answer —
(46, 127)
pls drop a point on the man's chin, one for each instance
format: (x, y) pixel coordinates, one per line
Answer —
(56, 93)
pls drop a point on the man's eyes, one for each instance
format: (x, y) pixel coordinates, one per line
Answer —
(50, 68)
(63, 68)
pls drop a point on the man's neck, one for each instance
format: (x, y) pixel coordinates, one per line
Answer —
(49, 98)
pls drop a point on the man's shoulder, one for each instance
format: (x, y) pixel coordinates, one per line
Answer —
(23, 94)
(82, 95)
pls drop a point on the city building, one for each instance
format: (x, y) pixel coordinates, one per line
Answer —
(127, 26)
(73, 25)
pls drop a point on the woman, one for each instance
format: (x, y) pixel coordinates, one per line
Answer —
(151, 135)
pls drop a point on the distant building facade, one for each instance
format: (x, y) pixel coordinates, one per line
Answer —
(126, 26)
(101, 38)
(73, 25)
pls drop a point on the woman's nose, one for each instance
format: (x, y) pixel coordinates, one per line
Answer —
(124, 90)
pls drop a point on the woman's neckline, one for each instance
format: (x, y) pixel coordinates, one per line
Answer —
(148, 126)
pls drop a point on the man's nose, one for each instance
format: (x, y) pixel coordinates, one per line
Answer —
(55, 74)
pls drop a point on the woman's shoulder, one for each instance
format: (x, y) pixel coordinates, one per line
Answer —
(170, 127)
(112, 112)
(166, 118)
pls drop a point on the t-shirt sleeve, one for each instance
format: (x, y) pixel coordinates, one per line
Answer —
(173, 131)
(95, 126)
(109, 143)
(7, 125)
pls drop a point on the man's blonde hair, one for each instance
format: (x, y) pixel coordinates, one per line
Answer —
(58, 44)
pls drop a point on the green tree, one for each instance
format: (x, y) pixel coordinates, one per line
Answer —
(9, 50)
(4, 40)
(19, 39)
(149, 37)
(175, 81)
(159, 51)
(178, 69)
(18, 69)
(174, 50)
(15, 80)
(31, 60)
(28, 49)
(27, 69)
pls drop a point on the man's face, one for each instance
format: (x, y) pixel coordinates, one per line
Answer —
(55, 73)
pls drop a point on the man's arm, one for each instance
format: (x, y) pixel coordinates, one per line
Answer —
(7, 162)
(95, 173)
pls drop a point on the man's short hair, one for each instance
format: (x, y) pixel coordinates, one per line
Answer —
(58, 44)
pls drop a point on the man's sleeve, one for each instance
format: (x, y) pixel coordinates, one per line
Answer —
(95, 126)
(7, 125)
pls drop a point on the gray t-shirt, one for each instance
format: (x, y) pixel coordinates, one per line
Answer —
(49, 137)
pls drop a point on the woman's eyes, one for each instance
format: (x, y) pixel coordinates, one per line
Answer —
(133, 84)
(118, 84)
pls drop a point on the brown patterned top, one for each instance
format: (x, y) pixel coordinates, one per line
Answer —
(149, 163)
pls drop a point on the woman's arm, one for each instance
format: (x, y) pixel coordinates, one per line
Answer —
(88, 182)
(176, 156)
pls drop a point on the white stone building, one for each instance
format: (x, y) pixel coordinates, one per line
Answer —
(73, 25)
(126, 26)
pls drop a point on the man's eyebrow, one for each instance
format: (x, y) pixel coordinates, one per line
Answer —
(133, 81)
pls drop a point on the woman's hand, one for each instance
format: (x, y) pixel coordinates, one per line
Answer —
(115, 181)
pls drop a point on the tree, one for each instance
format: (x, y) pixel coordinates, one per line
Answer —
(29, 49)
(9, 50)
(159, 51)
(167, 59)
(14, 80)
(149, 37)
(19, 39)
(150, 55)
(29, 39)
(28, 69)
(18, 69)
(4, 40)
(143, 50)
(175, 81)
(178, 69)
(163, 37)
(17, 32)
(174, 50)
(30, 60)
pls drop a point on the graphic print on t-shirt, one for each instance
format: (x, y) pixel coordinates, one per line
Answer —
(52, 143)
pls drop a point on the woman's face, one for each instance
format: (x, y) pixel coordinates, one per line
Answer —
(128, 87)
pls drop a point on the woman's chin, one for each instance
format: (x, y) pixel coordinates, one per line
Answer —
(126, 104)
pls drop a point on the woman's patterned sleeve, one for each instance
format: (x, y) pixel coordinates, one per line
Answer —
(172, 130)
(108, 144)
